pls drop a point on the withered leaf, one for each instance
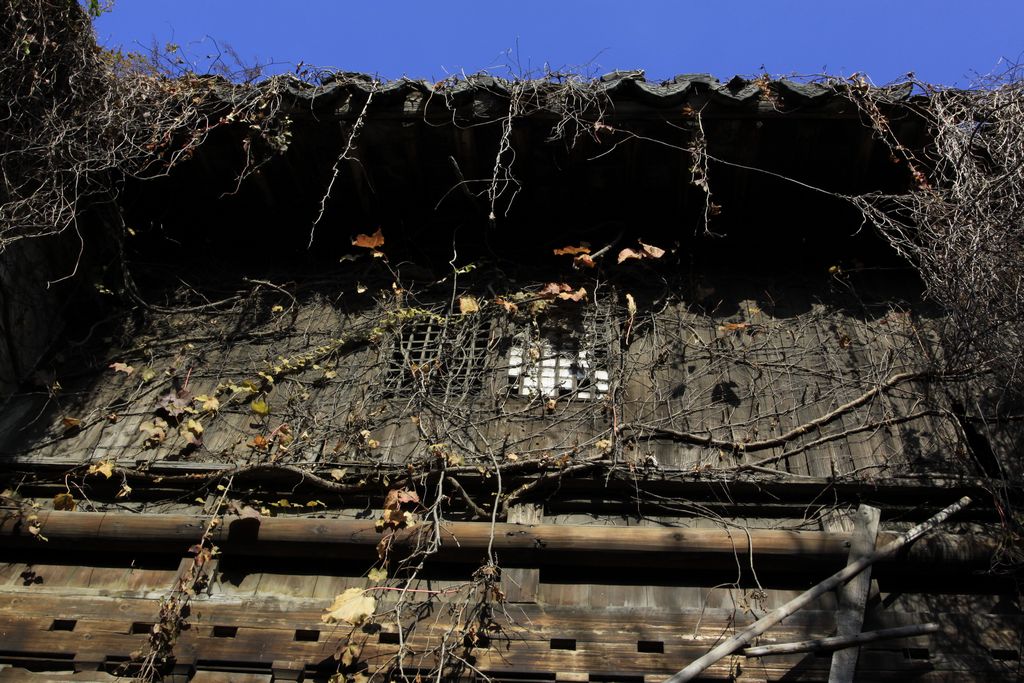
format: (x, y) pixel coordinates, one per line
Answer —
(208, 403)
(509, 307)
(578, 295)
(106, 468)
(353, 607)
(396, 497)
(583, 261)
(468, 304)
(369, 241)
(155, 430)
(572, 251)
(378, 574)
(260, 407)
(122, 367)
(553, 289)
(64, 501)
(630, 305)
(645, 251)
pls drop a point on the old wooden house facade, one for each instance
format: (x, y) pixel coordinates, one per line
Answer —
(552, 380)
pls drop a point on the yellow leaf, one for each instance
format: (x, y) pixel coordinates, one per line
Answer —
(105, 468)
(260, 407)
(208, 403)
(631, 305)
(276, 309)
(337, 474)
(467, 305)
(147, 374)
(377, 574)
(316, 503)
(352, 606)
(63, 501)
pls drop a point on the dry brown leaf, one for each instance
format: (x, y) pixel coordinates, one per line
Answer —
(369, 241)
(578, 295)
(509, 307)
(652, 251)
(396, 497)
(645, 251)
(122, 367)
(353, 607)
(553, 289)
(468, 304)
(733, 327)
(572, 251)
(583, 261)
(70, 423)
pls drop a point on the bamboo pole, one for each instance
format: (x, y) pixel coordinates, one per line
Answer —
(746, 636)
(841, 642)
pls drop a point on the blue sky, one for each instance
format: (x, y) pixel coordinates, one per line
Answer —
(940, 40)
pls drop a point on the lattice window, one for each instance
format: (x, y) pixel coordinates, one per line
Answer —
(430, 356)
(560, 362)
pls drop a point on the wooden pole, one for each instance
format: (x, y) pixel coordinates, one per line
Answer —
(841, 642)
(853, 596)
(746, 636)
(313, 537)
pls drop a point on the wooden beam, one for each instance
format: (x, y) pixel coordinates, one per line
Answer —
(853, 596)
(848, 643)
(550, 543)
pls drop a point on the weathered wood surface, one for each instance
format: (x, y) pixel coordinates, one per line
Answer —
(604, 642)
